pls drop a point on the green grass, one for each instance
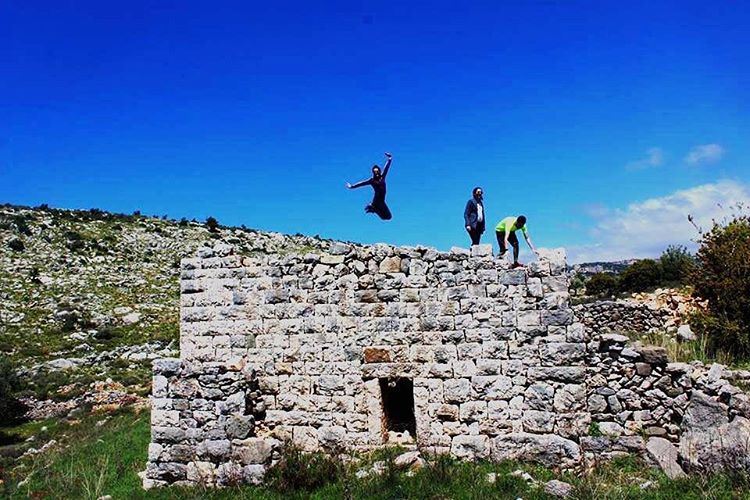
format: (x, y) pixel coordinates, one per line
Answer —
(92, 461)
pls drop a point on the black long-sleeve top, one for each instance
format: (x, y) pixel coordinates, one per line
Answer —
(377, 183)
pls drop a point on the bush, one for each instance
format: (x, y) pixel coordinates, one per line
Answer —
(676, 264)
(21, 225)
(722, 278)
(16, 245)
(212, 224)
(601, 284)
(11, 409)
(641, 275)
(303, 471)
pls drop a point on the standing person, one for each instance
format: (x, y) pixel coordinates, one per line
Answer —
(377, 181)
(506, 233)
(474, 215)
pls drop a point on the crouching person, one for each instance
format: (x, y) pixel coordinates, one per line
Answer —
(506, 236)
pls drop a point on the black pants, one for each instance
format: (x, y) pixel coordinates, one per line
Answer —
(475, 235)
(512, 239)
(380, 208)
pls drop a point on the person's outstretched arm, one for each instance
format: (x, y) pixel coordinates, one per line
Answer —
(528, 242)
(387, 164)
(359, 184)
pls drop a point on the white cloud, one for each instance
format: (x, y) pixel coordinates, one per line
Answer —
(644, 229)
(703, 154)
(654, 158)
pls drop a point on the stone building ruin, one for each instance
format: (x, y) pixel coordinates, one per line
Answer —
(450, 352)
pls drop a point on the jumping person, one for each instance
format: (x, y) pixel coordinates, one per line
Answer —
(474, 215)
(506, 233)
(377, 181)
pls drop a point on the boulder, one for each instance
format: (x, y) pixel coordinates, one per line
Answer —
(722, 448)
(704, 412)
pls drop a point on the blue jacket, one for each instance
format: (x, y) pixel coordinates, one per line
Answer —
(471, 215)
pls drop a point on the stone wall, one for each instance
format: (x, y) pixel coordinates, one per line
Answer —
(363, 347)
(607, 316)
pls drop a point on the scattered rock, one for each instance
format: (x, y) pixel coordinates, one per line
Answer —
(685, 333)
(665, 455)
(410, 459)
(559, 489)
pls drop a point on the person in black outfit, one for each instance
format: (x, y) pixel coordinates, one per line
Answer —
(377, 181)
(474, 216)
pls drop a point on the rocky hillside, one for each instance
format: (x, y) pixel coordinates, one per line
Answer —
(86, 295)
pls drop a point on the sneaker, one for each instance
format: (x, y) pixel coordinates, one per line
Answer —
(516, 265)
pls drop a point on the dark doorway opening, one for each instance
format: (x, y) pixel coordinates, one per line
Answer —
(398, 406)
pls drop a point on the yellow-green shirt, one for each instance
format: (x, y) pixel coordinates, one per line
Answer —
(509, 222)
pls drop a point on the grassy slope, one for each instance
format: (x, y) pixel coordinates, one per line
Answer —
(104, 460)
(78, 267)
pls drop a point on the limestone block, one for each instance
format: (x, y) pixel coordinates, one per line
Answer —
(332, 437)
(570, 398)
(538, 421)
(473, 411)
(218, 449)
(201, 473)
(539, 396)
(470, 447)
(377, 355)
(390, 265)
(482, 250)
(239, 426)
(548, 449)
(167, 434)
(493, 387)
(457, 390)
(571, 374)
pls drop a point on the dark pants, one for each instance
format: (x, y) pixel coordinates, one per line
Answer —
(512, 239)
(380, 208)
(475, 235)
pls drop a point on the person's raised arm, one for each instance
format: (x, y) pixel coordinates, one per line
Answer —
(387, 164)
(359, 184)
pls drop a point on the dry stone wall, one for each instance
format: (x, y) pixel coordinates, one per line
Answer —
(363, 347)
(607, 316)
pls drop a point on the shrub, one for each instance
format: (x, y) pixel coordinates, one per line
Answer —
(722, 278)
(16, 245)
(212, 224)
(676, 264)
(641, 275)
(21, 225)
(11, 409)
(303, 471)
(601, 284)
(183, 222)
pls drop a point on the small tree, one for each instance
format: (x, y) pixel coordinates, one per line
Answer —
(16, 245)
(601, 284)
(11, 409)
(676, 264)
(722, 278)
(641, 275)
(212, 224)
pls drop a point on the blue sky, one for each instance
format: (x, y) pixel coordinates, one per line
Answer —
(604, 122)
